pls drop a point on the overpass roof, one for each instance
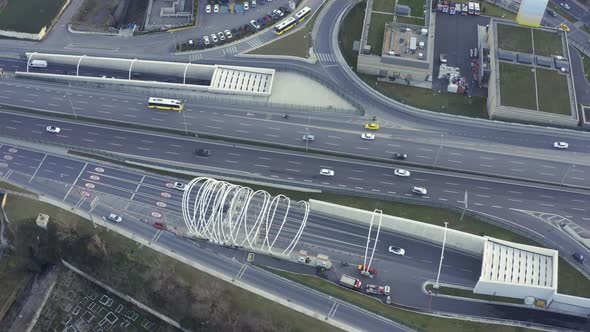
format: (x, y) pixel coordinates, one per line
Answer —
(246, 80)
(518, 264)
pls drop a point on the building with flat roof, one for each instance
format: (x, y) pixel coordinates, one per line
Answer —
(529, 75)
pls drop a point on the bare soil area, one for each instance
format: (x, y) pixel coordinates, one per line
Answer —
(108, 15)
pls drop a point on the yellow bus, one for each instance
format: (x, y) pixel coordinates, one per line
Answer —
(166, 104)
(302, 14)
(286, 25)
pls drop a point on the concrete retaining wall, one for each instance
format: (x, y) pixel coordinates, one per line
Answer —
(23, 35)
(461, 241)
(570, 304)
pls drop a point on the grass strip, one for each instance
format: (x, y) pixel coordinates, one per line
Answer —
(445, 290)
(399, 314)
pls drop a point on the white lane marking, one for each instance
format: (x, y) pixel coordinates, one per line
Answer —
(294, 162)
(357, 171)
(578, 209)
(496, 206)
(386, 183)
(336, 137)
(450, 191)
(423, 149)
(452, 183)
(486, 158)
(515, 200)
(170, 152)
(292, 170)
(357, 179)
(456, 154)
(484, 165)
(545, 204)
(515, 192)
(271, 135)
(242, 131)
(455, 161)
(484, 196)
(423, 157)
(478, 204)
(328, 143)
(517, 170)
(546, 196)
(231, 161)
(258, 165)
(517, 162)
(547, 166)
(484, 188)
(233, 154)
(548, 174)
(264, 158)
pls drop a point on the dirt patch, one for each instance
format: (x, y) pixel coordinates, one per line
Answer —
(110, 14)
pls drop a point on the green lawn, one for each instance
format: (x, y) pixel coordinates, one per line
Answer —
(564, 13)
(431, 100)
(157, 280)
(294, 44)
(443, 290)
(517, 86)
(383, 5)
(489, 9)
(411, 319)
(376, 32)
(586, 63)
(411, 20)
(29, 15)
(553, 92)
(547, 43)
(8, 186)
(513, 38)
(352, 25)
(417, 6)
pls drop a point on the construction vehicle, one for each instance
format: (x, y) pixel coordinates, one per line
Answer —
(351, 282)
(367, 271)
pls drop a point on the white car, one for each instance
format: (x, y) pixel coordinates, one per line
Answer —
(216, 9)
(419, 190)
(308, 137)
(246, 6)
(115, 218)
(396, 250)
(53, 129)
(401, 172)
(560, 145)
(206, 40)
(221, 36)
(326, 172)
(253, 3)
(228, 34)
(208, 9)
(368, 136)
(179, 186)
(214, 38)
(565, 5)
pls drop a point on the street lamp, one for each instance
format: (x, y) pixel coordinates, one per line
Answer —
(464, 206)
(442, 255)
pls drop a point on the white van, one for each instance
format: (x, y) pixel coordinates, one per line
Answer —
(38, 63)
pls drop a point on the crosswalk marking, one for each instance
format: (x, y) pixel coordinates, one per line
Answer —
(195, 57)
(255, 42)
(326, 57)
(230, 50)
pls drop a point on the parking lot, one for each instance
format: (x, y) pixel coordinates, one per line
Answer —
(455, 35)
(235, 19)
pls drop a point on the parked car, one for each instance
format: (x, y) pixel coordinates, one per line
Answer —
(560, 145)
(216, 8)
(443, 58)
(326, 172)
(419, 190)
(53, 129)
(214, 38)
(115, 218)
(228, 34)
(199, 43)
(221, 36)
(551, 12)
(278, 12)
(208, 9)
(255, 25)
(206, 41)
(565, 5)
(396, 250)
(246, 6)
(253, 3)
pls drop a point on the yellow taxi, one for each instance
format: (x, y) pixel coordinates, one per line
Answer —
(371, 126)
(564, 27)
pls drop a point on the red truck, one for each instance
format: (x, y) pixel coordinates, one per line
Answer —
(367, 271)
(351, 282)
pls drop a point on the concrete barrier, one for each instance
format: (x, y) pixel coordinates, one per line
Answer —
(570, 304)
(461, 241)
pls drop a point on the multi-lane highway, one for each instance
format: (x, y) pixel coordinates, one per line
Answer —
(429, 140)
(344, 241)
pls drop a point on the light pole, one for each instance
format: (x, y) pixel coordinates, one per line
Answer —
(567, 171)
(306, 139)
(70, 99)
(465, 205)
(442, 255)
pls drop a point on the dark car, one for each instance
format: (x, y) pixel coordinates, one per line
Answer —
(400, 156)
(285, 10)
(579, 257)
(551, 12)
(203, 152)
